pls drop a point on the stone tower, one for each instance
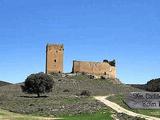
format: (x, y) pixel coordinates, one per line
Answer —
(54, 58)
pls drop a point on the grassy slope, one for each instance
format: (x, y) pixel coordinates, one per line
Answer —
(3, 83)
(100, 115)
(5, 115)
(119, 100)
(59, 103)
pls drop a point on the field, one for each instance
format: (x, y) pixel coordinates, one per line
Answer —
(65, 101)
(101, 115)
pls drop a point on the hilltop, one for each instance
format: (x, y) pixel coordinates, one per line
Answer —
(3, 83)
(65, 98)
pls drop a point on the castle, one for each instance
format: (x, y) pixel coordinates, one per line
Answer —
(54, 63)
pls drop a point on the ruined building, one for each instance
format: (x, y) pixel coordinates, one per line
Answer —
(54, 58)
(54, 63)
(106, 68)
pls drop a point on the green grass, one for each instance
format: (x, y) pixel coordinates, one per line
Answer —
(101, 115)
(119, 100)
(6, 115)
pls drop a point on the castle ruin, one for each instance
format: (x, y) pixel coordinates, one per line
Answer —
(54, 58)
(54, 63)
(105, 68)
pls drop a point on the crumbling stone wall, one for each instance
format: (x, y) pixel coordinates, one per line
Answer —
(54, 58)
(96, 68)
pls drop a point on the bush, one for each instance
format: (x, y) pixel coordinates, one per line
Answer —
(112, 63)
(37, 84)
(83, 73)
(153, 85)
(91, 77)
(104, 77)
(85, 93)
(66, 90)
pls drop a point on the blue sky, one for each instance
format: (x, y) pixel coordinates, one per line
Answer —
(92, 30)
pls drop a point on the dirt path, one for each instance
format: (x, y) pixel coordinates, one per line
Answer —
(120, 109)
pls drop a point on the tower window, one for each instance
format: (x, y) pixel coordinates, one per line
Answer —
(55, 60)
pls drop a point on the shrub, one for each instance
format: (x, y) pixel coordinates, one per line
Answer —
(105, 61)
(112, 63)
(91, 77)
(153, 85)
(66, 90)
(37, 84)
(83, 73)
(103, 77)
(85, 93)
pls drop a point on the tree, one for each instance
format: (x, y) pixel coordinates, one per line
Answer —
(37, 84)
(112, 63)
(153, 85)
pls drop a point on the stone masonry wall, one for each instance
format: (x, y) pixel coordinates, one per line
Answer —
(96, 68)
(54, 58)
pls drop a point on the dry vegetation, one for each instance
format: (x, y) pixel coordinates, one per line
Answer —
(65, 98)
(2, 83)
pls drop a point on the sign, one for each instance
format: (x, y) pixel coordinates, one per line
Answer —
(143, 100)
